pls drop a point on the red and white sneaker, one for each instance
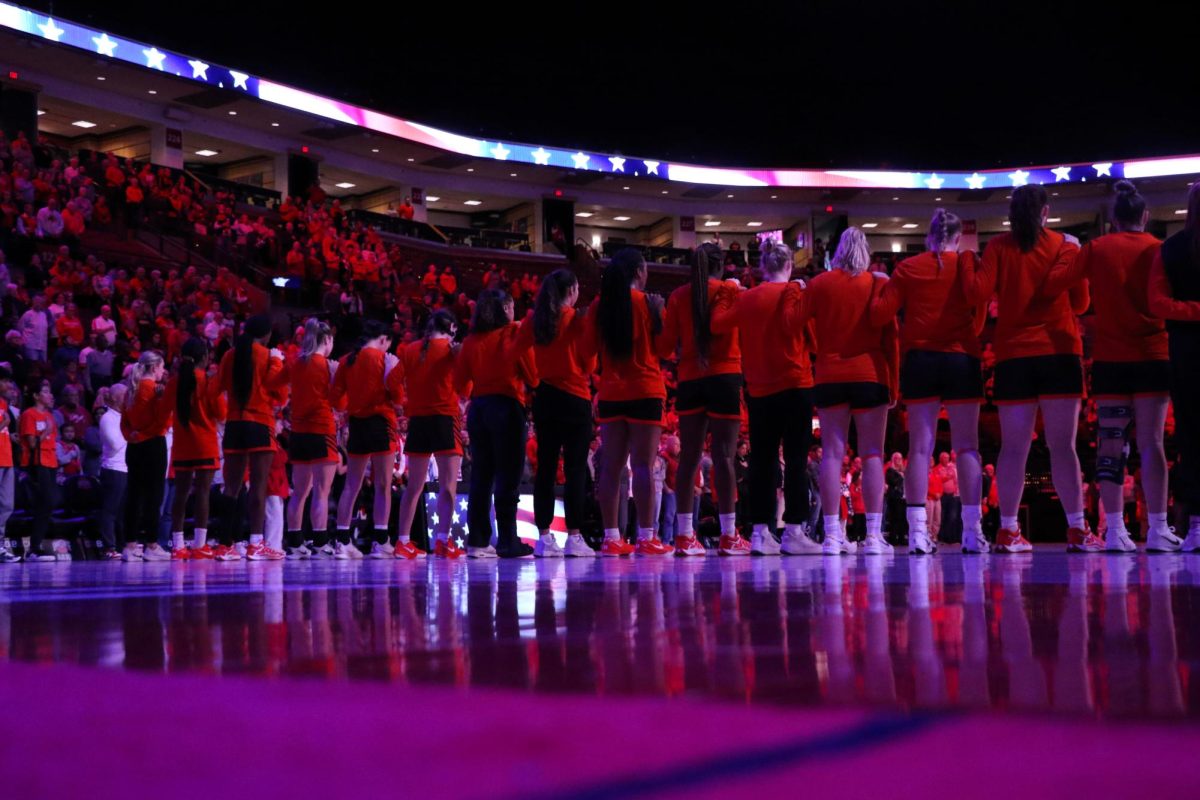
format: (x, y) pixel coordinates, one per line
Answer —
(201, 553)
(260, 552)
(653, 547)
(1084, 541)
(181, 554)
(689, 546)
(223, 553)
(615, 548)
(734, 545)
(1012, 542)
(408, 551)
(448, 549)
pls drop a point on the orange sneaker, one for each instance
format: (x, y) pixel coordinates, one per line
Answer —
(223, 553)
(448, 549)
(1012, 542)
(181, 554)
(653, 547)
(1084, 541)
(202, 553)
(689, 546)
(734, 545)
(260, 552)
(614, 548)
(409, 551)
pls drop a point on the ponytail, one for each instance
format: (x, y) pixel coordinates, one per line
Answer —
(194, 352)
(148, 360)
(315, 334)
(255, 328)
(706, 263)
(1025, 215)
(614, 317)
(442, 321)
(944, 226)
(549, 304)
(372, 329)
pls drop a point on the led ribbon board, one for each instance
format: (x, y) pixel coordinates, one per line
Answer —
(148, 56)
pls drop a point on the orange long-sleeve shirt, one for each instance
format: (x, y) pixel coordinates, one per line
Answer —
(270, 375)
(1161, 299)
(937, 314)
(367, 390)
(147, 416)
(429, 382)
(849, 347)
(312, 396)
(1030, 322)
(497, 362)
(724, 353)
(775, 355)
(1117, 269)
(563, 363)
(198, 439)
(637, 377)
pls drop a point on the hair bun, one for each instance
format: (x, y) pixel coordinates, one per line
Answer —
(1124, 187)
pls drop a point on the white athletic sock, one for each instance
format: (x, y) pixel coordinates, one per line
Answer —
(1009, 523)
(759, 531)
(833, 526)
(441, 536)
(548, 538)
(683, 525)
(728, 524)
(918, 520)
(1116, 524)
(575, 536)
(1158, 520)
(612, 534)
(875, 525)
(402, 538)
(199, 537)
(972, 516)
(645, 534)
(177, 540)
(794, 530)
(256, 538)
(1079, 521)
(573, 532)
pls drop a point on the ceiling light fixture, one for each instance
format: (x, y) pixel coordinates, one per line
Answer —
(621, 219)
(472, 202)
(344, 185)
(870, 225)
(583, 214)
(909, 225)
(83, 123)
(207, 153)
(712, 223)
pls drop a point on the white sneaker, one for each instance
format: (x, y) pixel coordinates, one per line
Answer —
(799, 543)
(975, 542)
(62, 550)
(876, 546)
(38, 556)
(836, 544)
(919, 544)
(131, 554)
(8, 556)
(1118, 541)
(1163, 540)
(547, 547)
(764, 544)
(578, 548)
(155, 553)
(325, 551)
(297, 553)
(241, 548)
(346, 552)
(1192, 543)
(384, 550)
(482, 552)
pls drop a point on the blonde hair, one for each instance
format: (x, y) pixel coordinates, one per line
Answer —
(853, 254)
(776, 257)
(315, 334)
(147, 361)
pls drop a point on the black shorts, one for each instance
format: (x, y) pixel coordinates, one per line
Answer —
(244, 436)
(1022, 380)
(645, 411)
(434, 435)
(196, 465)
(1131, 378)
(717, 396)
(371, 436)
(859, 396)
(313, 448)
(949, 377)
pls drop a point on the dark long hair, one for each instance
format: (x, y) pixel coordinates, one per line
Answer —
(255, 328)
(371, 329)
(1025, 215)
(442, 321)
(615, 314)
(489, 311)
(1192, 222)
(707, 262)
(549, 304)
(193, 352)
(944, 226)
(1128, 204)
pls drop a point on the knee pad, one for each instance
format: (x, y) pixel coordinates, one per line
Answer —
(1111, 469)
(1112, 442)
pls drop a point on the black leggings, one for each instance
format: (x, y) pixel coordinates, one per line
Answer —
(781, 418)
(563, 423)
(1185, 396)
(147, 465)
(44, 489)
(496, 423)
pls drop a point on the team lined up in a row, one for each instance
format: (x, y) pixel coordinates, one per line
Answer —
(845, 324)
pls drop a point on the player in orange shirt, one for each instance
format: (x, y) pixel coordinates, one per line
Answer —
(312, 446)
(1038, 362)
(144, 424)
(434, 432)
(941, 366)
(709, 400)
(195, 453)
(367, 379)
(622, 324)
(855, 380)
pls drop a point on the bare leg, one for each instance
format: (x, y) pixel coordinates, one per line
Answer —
(614, 437)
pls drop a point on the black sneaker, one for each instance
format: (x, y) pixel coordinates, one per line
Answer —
(518, 550)
(8, 557)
